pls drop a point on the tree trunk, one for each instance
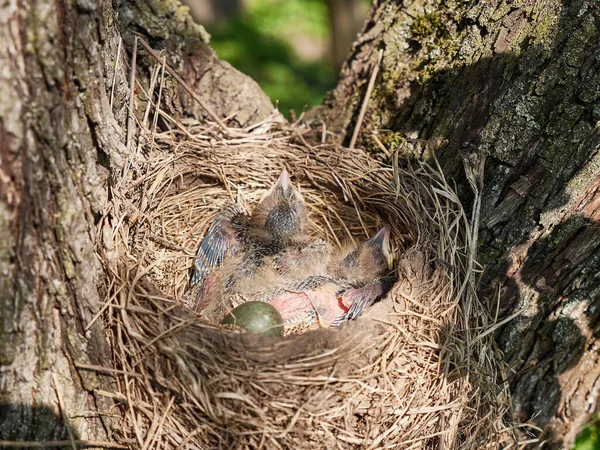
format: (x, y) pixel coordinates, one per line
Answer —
(345, 19)
(517, 81)
(63, 140)
(520, 83)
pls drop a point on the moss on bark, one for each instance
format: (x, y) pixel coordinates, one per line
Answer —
(517, 81)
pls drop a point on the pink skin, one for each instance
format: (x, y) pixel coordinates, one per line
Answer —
(309, 310)
(292, 260)
(210, 283)
(325, 306)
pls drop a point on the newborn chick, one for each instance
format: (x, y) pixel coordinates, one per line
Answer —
(277, 222)
(225, 237)
(357, 279)
(237, 246)
(370, 260)
(254, 275)
(309, 304)
(320, 301)
(304, 259)
(280, 217)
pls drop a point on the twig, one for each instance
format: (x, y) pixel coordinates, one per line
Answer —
(130, 121)
(189, 90)
(363, 108)
(160, 88)
(170, 245)
(149, 94)
(162, 421)
(63, 412)
(474, 170)
(107, 370)
(497, 325)
(44, 444)
(114, 80)
(105, 306)
(382, 147)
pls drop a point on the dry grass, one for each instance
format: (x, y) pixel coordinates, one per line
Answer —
(419, 370)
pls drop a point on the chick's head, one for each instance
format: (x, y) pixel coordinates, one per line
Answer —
(370, 260)
(281, 214)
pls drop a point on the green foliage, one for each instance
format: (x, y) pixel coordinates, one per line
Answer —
(259, 43)
(277, 18)
(589, 438)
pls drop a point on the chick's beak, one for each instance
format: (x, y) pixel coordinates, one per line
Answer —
(282, 182)
(382, 239)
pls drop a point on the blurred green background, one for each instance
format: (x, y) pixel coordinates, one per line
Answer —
(293, 49)
(589, 438)
(266, 42)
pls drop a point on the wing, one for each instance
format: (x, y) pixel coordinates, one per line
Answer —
(359, 299)
(224, 238)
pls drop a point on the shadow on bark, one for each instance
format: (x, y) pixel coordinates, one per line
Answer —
(553, 339)
(41, 424)
(539, 243)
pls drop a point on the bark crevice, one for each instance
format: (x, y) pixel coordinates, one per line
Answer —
(519, 83)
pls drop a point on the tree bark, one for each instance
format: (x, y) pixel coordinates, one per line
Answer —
(520, 83)
(63, 141)
(517, 81)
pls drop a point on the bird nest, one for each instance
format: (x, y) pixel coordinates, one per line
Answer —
(417, 370)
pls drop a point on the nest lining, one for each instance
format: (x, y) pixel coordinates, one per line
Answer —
(407, 374)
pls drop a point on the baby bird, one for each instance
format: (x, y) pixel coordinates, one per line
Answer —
(368, 269)
(225, 237)
(236, 246)
(268, 256)
(277, 222)
(304, 259)
(356, 280)
(308, 304)
(280, 217)
(370, 260)
(321, 302)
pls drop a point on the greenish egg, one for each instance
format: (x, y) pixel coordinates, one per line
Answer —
(257, 318)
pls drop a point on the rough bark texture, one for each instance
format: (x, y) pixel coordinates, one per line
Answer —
(167, 25)
(517, 80)
(520, 82)
(63, 114)
(53, 108)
